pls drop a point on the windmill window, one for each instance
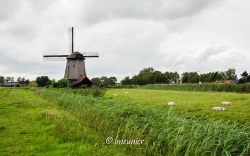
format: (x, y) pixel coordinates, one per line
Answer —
(73, 65)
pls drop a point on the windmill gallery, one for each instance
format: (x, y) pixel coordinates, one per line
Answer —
(75, 70)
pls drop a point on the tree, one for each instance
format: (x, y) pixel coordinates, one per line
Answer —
(96, 81)
(156, 77)
(151, 76)
(1, 79)
(43, 81)
(215, 76)
(53, 81)
(139, 79)
(112, 80)
(9, 79)
(248, 78)
(190, 77)
(126, 81)
(209, 77)
(136, 80)
(205, 78)
(63, 83)
(146, 76)
(245, 77)
(147, 70)
(23, 81)
(174, 77)
(104, 81)
(231, 74)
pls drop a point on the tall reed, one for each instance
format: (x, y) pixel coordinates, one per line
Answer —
(240, 88)
(164, 132)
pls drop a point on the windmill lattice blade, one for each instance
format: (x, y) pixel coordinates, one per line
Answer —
(47, 59)
(90, 54)
(55, 55)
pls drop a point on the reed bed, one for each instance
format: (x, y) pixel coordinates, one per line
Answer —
(164, 132)
(239, 88)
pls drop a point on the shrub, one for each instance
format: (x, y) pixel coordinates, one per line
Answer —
(32, 84)
(63, 83)
(43, 81)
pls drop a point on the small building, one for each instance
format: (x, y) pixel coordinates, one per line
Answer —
(83, 80)
(10, 84)
(227, 81)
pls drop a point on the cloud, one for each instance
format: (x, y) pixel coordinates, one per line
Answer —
(8, 8)
(211, 59)
(210, 52)
(123, 47)
(95, 11)
(191, 35)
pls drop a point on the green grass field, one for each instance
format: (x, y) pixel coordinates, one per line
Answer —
(38, 121)
(30, 125)
(194, 103)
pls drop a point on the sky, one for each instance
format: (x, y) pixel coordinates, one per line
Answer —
(168, 35)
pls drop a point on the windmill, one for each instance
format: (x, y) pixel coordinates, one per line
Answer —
(75, 70)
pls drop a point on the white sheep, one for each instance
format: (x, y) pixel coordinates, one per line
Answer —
(171, 103)
(125, 92)
(226, 103)
(115, 94)
(218, 109)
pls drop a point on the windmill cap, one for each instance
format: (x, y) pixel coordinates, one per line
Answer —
(76, 55)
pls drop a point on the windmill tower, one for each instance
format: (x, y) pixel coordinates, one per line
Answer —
(75, 70)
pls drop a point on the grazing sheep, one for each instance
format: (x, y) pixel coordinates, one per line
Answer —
(226, 103)
(126, 92)
(115, 94)
(171, 103)
(218, 109)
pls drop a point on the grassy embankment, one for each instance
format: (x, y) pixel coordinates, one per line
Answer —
(30, 125)
(164, 131)
(193, 103)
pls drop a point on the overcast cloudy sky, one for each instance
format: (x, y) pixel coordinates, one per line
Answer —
(169, 35)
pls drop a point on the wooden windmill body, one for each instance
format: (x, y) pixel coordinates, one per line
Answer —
(75, 67)
(75, 70)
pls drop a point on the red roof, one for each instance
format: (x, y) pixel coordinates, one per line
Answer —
(81, 80)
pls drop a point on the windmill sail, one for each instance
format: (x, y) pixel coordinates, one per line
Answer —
(55, 57)
(62, 57)
(90, 54)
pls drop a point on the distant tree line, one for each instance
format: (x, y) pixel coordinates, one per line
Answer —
(23, 81)
(145, 76)
(104, 81)
(44, 81)
(20, 80)
(6, 79)
(151, 76)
